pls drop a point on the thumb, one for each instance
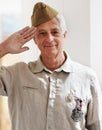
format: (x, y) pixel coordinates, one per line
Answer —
(24, 49)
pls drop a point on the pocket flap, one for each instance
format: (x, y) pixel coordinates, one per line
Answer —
(30, 86)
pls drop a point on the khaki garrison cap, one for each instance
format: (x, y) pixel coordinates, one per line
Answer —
(42, 13)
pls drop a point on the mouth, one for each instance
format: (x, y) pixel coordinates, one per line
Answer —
(49, 46)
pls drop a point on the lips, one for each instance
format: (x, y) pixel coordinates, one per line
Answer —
(49, 45)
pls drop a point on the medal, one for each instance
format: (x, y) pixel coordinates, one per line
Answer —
(77, 111)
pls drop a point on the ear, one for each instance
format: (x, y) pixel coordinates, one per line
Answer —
(65, 34)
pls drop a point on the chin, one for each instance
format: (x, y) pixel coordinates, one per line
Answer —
(52, 52)
(51, 55)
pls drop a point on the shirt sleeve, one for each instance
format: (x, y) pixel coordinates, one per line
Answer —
(5, 80)
(94, 112)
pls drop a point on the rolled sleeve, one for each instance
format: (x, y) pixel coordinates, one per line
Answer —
(5, 80)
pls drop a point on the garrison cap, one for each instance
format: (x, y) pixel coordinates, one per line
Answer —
(42, 13)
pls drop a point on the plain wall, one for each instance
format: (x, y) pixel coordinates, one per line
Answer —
(77, 14)
(96, 37)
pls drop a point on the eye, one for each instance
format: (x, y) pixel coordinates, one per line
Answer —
(56, 33)
(42, 33)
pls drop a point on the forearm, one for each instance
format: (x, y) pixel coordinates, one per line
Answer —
(3, 51)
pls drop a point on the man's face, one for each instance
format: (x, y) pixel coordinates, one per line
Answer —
(50, 38)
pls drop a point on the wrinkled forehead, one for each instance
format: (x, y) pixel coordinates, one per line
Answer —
(52, 24)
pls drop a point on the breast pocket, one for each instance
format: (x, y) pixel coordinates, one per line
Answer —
(34, 91)
(29, 87)
(32, 100)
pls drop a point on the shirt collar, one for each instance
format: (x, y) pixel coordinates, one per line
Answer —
(66, 67)
(38, 66)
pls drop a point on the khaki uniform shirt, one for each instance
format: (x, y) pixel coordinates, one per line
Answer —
(65, 99)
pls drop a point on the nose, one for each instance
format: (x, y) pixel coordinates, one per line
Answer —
(49, 38)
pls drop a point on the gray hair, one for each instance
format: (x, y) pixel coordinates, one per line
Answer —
(61, 20)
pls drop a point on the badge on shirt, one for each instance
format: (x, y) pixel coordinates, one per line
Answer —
(77, 111)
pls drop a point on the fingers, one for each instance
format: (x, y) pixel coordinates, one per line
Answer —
(26, 39)
(23, 30)
(23, 49)
(27, 33)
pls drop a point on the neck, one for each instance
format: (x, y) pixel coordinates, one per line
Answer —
(53, 63)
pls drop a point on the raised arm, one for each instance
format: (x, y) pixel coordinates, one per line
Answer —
(14, 43)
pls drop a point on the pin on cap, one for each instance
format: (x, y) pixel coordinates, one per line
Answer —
(42, 13)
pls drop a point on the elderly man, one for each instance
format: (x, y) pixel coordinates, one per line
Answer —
(54, 92)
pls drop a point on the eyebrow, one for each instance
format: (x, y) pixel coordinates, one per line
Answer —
(53, 29)
(41, 30)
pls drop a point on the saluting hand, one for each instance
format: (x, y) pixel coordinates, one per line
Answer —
(14, 43)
